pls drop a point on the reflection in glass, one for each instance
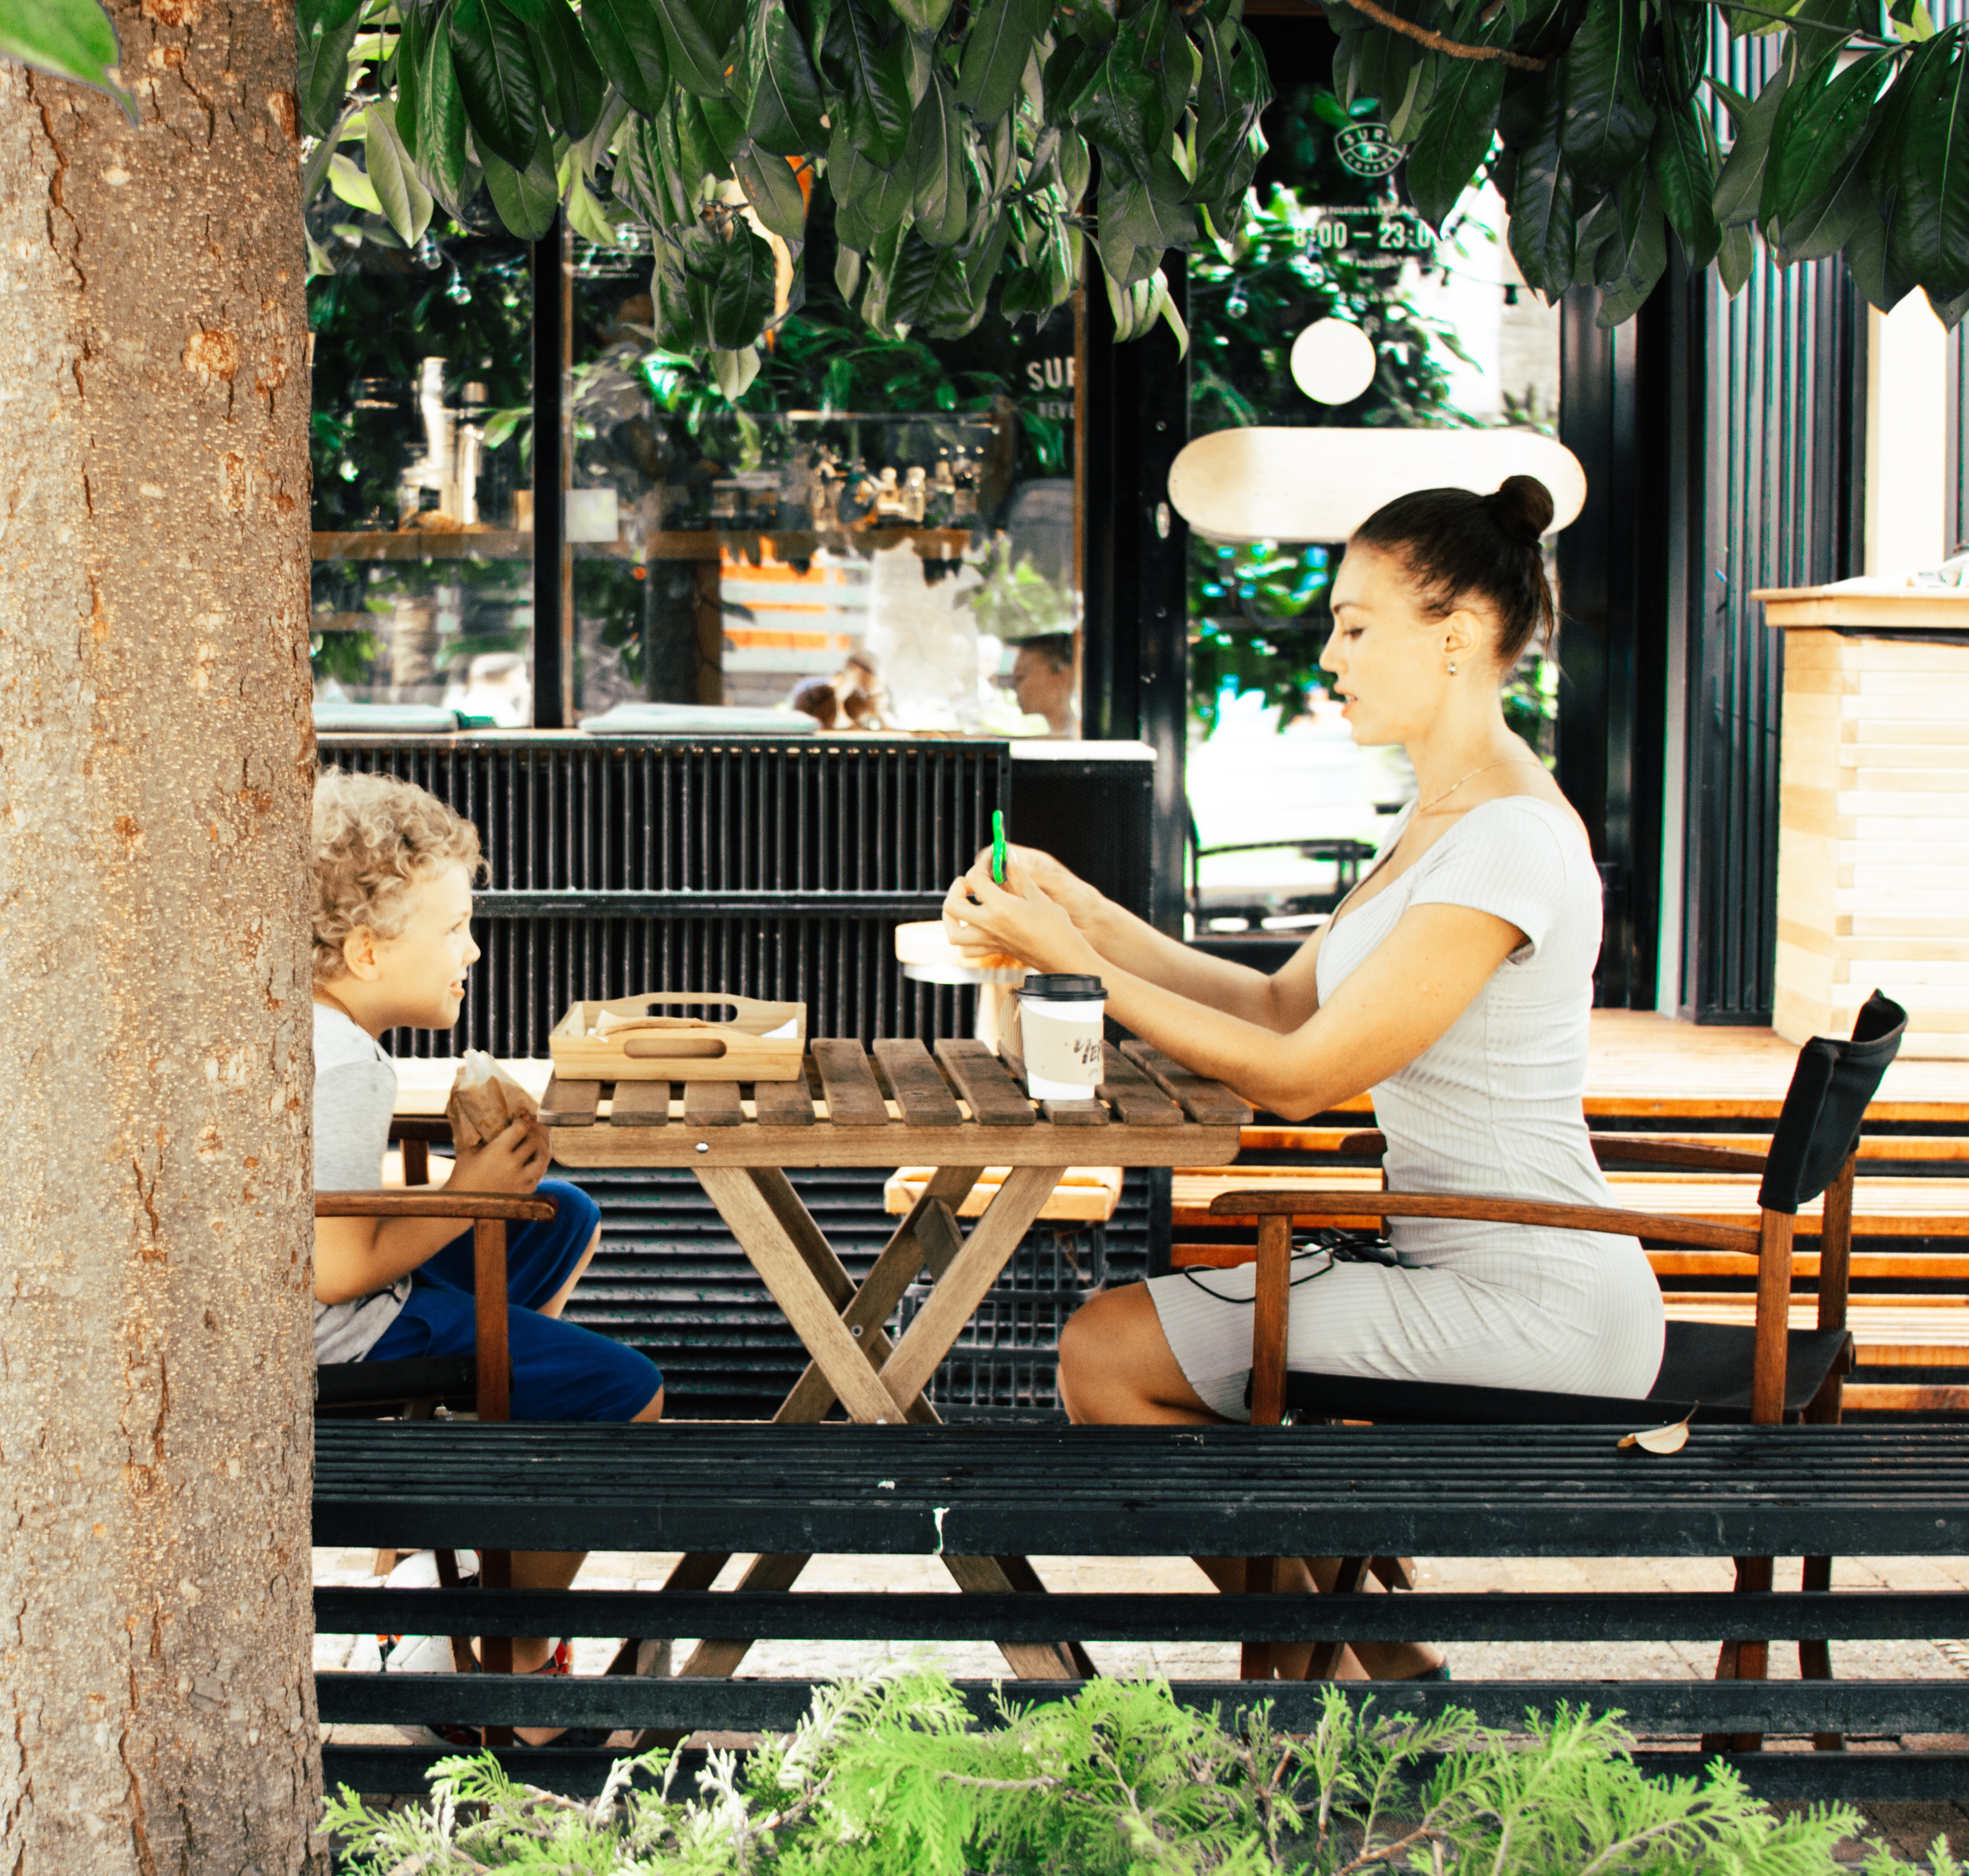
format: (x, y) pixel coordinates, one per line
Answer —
(862, 534)
(420, 434)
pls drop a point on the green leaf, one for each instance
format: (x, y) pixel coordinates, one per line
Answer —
(773, 190)
(1880, 278)
(526, 199)
(1896, 151)
(1736, 255)
(1609, 121)
(325, 31)
(649, 173)
(629, 44)
(1823, 126)
(786, 105)
(1950, 311)
(1232, 92)
(868, 201)
(939, 204)
(494, 63)
(406, 203)
(1455, 136)
(1642, 265)
(873, 72)
(587, 217)
(1684, 44)
(1000, 40)
(730, 281)
(922, 16)
(1138, 222)
(71, 39)
(413, 59)
(572, 86)
(675, 322)
(1740, 188)
(927, 283)
(1822, 228)
(440, 147)
(696, 63)
(734, 371)
(352, 186)
(1684, 169)
(1929, 234)
(1543, 234)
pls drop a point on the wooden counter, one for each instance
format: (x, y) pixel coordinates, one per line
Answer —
(1874, 826)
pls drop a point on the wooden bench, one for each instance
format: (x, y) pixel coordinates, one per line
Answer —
(1133, 1492)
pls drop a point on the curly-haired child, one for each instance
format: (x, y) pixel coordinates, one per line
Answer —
(393, 871)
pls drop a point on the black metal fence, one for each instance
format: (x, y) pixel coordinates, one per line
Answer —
(768, 868)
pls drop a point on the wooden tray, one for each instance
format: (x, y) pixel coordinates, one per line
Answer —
(681, 1048)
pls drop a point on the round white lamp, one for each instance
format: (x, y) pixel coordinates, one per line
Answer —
(1333, 361)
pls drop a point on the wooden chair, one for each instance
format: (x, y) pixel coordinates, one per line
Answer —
(411, 1389)
(1767, 1374)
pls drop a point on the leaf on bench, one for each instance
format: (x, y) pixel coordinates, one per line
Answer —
(1658, 1439)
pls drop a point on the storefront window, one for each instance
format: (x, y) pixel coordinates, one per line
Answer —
(869, 532)
(423, 587)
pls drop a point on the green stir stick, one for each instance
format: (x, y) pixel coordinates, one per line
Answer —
(998, 846)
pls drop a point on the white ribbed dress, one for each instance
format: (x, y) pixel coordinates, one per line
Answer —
(1493, 1106)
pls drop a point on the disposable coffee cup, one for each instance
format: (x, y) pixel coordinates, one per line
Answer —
(1059, 1025)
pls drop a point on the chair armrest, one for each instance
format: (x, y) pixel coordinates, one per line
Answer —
(433, 1129)
(1676, 1153)
(393, 1203)
(1368, 1142)
(1274, 1199)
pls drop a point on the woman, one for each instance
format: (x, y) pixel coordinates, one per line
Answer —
(1454, 982)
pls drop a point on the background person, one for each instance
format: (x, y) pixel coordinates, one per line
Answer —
(1454, 982)
(1042, 681)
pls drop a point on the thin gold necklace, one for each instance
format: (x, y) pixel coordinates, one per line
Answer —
(1429, 807)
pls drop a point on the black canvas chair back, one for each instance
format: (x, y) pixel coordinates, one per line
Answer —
(1819, 1125)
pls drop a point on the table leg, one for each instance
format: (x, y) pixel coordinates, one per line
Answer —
(867, 1308)
(972, 1272)
(775, 1255)
(806, 1280)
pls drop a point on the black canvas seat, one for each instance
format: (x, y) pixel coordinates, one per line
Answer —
(1705, 1370)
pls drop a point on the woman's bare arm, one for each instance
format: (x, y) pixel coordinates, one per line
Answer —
(1408, 992)
(1125, 943)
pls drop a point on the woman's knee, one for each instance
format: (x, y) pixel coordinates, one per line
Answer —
(577, 1214)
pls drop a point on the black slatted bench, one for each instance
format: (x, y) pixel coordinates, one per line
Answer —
(1140, 1491)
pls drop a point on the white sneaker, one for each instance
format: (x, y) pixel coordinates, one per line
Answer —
(421, 1654)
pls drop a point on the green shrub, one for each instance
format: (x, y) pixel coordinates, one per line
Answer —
(890, 1775)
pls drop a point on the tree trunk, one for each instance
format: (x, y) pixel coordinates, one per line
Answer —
(156, 1709)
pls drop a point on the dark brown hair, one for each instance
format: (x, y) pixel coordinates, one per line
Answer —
(1457, 545)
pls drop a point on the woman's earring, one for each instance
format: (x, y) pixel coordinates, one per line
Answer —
(1452, 668)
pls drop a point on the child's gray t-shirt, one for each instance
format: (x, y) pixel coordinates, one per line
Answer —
(354, 1095)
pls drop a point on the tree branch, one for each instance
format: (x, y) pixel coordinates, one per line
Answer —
(1455, 48)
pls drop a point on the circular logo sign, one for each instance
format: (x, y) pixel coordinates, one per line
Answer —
(1365, 149)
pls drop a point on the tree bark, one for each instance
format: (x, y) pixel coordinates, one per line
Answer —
(156, 1708)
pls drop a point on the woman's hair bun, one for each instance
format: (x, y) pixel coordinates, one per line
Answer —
(1521, 508)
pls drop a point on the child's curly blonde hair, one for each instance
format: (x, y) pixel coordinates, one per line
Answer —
(375, 837)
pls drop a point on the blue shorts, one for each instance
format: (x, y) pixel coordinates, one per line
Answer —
(560, 1371)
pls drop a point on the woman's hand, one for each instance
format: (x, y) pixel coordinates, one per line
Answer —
(1081, 903)
(1019, 917)
(514, 1161)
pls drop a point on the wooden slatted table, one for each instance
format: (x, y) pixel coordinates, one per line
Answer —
(957, 1112)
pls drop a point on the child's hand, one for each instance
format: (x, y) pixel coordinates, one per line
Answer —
(515, 1160)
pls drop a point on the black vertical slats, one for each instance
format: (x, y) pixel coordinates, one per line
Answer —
(1779, 460)
(819, 824)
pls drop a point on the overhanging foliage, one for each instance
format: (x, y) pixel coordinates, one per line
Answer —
(966, 143)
